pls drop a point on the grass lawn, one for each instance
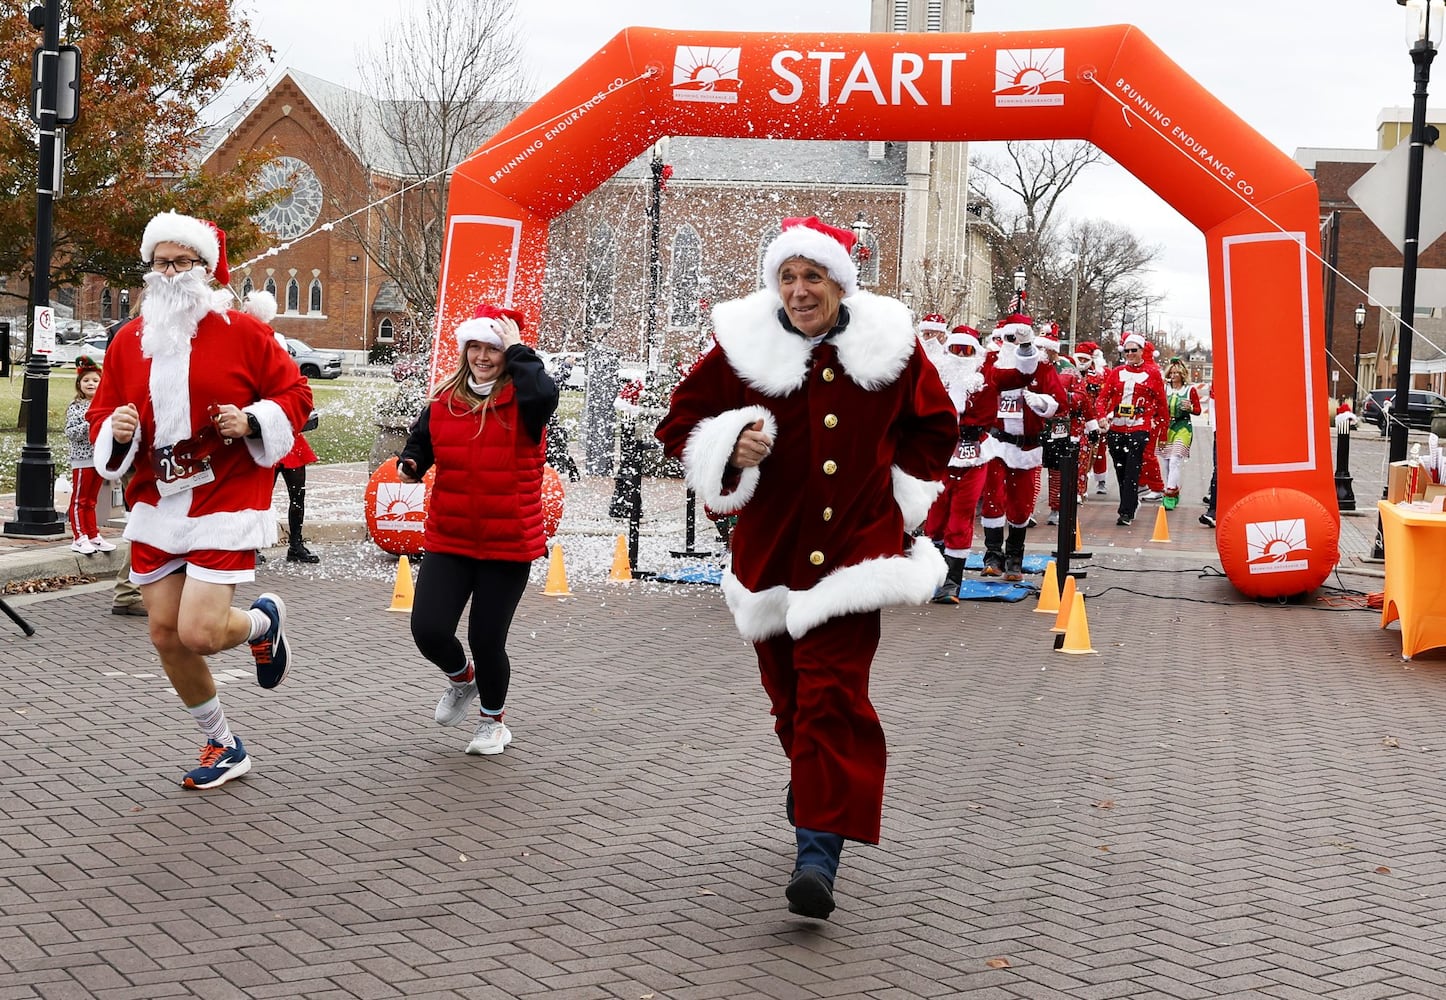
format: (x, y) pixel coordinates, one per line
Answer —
(347, 407)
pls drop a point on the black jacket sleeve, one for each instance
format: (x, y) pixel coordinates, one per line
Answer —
(419, 442)
(536, 391)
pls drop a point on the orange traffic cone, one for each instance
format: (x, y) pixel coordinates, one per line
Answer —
(1162, 527)
(1078, 540)
(556, 585)
(1066, 605)
(622, 571)
(1049, 592)
(402, 589)
(1077, 636)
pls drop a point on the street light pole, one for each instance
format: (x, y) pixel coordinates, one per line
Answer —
(1019, 293)
(1424, 33)
(1074, 300)
(1424, 37)
(1356, 371)
(35, 512)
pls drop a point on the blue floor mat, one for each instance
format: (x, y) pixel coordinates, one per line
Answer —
(706, 573)
(995, 590)
(1032, 563)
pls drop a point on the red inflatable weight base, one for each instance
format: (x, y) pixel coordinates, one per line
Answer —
(1277, 543)
(396, 512)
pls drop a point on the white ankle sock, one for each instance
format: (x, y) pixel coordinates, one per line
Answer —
(212, 720)
(259, 624)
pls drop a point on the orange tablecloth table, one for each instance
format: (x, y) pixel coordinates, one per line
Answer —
(1415, 576)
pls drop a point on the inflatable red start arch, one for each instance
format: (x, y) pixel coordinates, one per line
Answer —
(1279, 525)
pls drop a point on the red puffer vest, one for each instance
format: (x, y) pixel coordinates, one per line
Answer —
(487, 500)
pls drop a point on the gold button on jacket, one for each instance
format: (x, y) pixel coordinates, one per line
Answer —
(828, 513)
(830, 467)
(816, 558)
(827, 374)
(830, 421)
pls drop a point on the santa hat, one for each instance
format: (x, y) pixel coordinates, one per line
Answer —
(1132, 340)
(1015, 324)
(1048, 338)
(963, 335)
(827, 246)
(484, 326)
(1149, 351)
(1084, 352)
(935, 322)
(201, 235)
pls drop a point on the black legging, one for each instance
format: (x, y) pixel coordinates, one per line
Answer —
(444, 585)
(1127, 452)
(296, 500)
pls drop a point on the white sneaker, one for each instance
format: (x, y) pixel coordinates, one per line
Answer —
(1151, 495)
(491, 736)
(101, 545)
(452, 706)
(1053, 518)
(83, 546)
(1100, 488)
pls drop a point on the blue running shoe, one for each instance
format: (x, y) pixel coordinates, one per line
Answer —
(219, 764)
(271, 652)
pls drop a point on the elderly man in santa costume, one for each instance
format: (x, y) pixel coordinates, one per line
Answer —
(819, 421)
(1133, 406)
(200, 402)
(1014, 448)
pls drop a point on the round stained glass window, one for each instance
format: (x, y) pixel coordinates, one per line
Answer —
(298, 209)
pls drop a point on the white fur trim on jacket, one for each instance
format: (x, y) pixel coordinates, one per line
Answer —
(173, 227)
(867, 586)
(710, 446)
(104, 452)
(277, 434)
(167, 526)
(874, 349)
(914, 497)
(1013, 456)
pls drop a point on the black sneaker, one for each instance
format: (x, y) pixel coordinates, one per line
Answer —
(1207, 519)
(1124, 521)
(301, 554)
(788, 804)
(810, 894)
(271, 652)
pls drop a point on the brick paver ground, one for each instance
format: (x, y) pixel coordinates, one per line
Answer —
(1228, 800)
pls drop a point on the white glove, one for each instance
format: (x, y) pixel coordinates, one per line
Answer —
(1041, 403)
(1023, 337)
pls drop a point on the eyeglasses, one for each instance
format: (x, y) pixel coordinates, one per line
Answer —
(179, 265)
(962, 350)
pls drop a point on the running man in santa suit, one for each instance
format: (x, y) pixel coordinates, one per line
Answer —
(1014, 448)
(819, 421)
(201, 402)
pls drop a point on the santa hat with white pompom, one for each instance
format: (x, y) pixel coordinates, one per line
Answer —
(208, 240)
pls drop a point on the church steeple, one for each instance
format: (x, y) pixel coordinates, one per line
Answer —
(936, 190)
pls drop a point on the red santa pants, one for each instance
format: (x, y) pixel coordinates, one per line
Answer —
(1150, 469)
(819, 688)
(1082, 468)
(951, 519)
(1100, 466)
(84, 489)
(1009, 495)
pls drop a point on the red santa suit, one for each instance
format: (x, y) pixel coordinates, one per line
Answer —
(862, 429)
(1014, 449)
(1069, 430)
(1151, 476)
(1133, 402)
(225, 504)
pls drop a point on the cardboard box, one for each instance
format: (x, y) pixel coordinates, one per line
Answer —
(1433, 491)
(1398, 482)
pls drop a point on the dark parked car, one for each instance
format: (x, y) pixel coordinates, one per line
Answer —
(314, 363)
(1424, 406)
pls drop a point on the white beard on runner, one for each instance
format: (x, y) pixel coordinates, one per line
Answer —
(172, 309)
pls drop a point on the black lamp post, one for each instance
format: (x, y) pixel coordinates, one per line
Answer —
(125, 303)
(1356, 371)
(1423, 30)
(35, 512)
(1019, 294)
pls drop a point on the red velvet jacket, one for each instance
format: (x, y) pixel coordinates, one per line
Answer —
(862, 429)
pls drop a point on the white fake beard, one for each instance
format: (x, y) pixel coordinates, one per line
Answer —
(171, 310)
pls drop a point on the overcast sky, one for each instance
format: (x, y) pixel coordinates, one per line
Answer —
(1302, 73)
